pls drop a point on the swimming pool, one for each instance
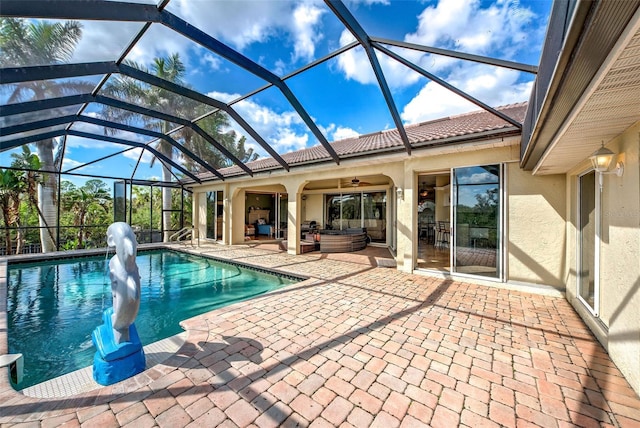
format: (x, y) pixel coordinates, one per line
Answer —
(53, 306)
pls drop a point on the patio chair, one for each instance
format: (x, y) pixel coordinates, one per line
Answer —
(442, 235)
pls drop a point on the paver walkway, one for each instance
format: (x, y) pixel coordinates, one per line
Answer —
(358, 345)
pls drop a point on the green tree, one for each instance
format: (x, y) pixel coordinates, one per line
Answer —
(172, 69)
(217, 125)
(29, 164)
(142, 210)
(10, 190)
(27, 43)
(89, 201)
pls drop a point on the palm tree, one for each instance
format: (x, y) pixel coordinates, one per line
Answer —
(28, 164)
(217, 125)
(10, 190)
(26, 43)
(170, 68)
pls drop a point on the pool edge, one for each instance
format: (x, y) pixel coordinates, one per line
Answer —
(189, 348)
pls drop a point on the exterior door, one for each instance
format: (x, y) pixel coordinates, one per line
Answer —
(476, 232)
(215, 210)
(282, 203)
(588, 240)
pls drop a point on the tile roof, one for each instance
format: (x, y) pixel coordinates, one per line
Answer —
(423, 134)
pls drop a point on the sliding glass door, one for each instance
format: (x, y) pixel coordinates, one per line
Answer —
(477, 218)
(215, 211)
(358, 209)
(281, 215)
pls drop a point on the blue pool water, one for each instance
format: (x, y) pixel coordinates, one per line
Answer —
(52, 307)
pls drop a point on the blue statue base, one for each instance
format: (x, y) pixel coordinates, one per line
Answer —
(114, 362)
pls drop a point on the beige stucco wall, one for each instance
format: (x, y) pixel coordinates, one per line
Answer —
(536, 209)
(534, 247)
(312, 208)
(620, 260)
(617, 325)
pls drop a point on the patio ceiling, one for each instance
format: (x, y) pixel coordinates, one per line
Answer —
(82, 114)
(595, 95)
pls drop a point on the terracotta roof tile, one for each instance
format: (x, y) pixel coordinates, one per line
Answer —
(426, 132)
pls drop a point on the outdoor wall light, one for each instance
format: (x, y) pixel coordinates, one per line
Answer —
(601, 159)
(399, 192)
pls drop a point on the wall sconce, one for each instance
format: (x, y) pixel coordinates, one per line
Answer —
(304, 197)
(601, 159)
(399, 192)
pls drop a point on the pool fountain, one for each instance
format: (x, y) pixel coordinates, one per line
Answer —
(119, 353)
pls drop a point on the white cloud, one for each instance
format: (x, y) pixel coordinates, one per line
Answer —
(356, 66)
(259, 22)
(336, 132)
(342, 132)
(355, 63)
(84, 143)
(287, 140)
(283, 131)
(159, 41)
(481, 177)
(212, 62)
(492, 86)
(305, 20)
(103, 40)
(68, 163)
(134, 154)
(455, 24)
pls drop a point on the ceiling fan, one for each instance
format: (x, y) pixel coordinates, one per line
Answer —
(355, 182)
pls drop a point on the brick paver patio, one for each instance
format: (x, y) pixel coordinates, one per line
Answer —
(358, 345)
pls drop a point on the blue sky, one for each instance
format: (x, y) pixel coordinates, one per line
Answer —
(341, 95)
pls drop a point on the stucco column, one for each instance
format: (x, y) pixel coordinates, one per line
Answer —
(199, 210)
(404, 224)
(234, 211)
(403, 178)
(294, 207)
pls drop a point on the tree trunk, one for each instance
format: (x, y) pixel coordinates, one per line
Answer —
(166, 204)
(7, 223)
(47, 191)
(19, 240)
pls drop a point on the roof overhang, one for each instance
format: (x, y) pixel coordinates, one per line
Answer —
(594, 92)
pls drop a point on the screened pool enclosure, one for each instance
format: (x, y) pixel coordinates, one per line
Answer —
(113, 110)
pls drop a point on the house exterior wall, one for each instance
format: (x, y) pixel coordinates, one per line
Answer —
(313, 209)
(617, 325)
(536, 210)
(535, 207)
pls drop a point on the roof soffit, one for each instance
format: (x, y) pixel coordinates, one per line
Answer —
(607, 107)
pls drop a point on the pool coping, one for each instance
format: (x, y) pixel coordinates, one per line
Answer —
(81, 380)
(193, 330)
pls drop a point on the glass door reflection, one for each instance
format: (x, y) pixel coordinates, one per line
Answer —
(476, 231)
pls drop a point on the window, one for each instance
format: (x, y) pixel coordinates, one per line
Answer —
(358, 209)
